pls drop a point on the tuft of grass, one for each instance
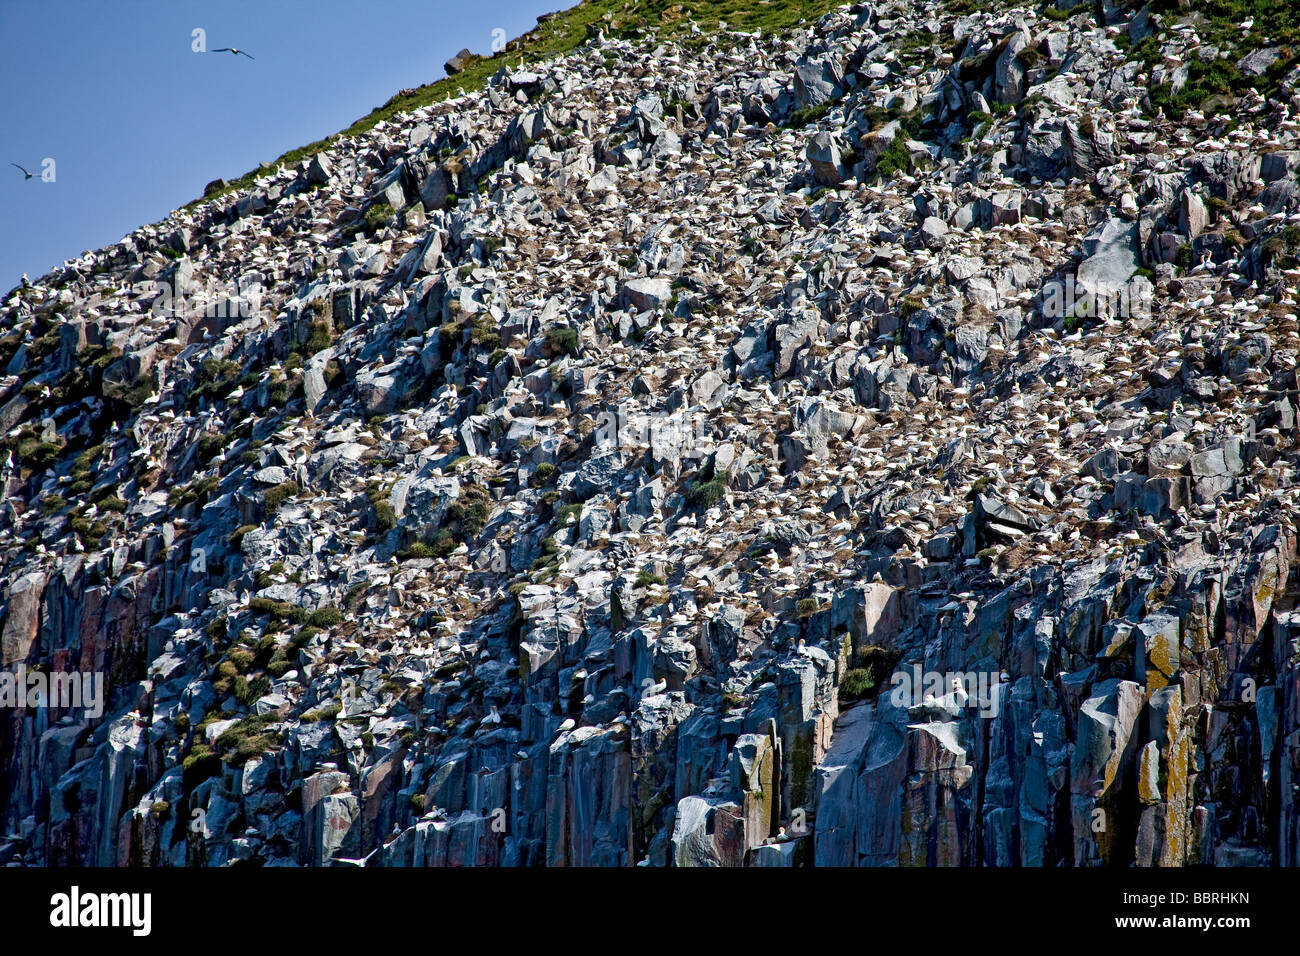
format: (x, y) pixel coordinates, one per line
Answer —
(857, 684)
(278, 610)
(562, 340)
(869, 670)
(38, 454)
(471, 509)
(565, 512)
(705, 494)
(198, 765)
(645, 578)
(321, 337)
(325, 617)
(378, 216)
(385, 516)
(248, 738)
(416, 552)
(895, 159)
(808, 115)
(909, 304)
(277, 496)
(324, 712)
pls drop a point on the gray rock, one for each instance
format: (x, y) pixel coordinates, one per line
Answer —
(647, 294)
(459, 62)
(934, 232)
(708, 832)
(709, 390)
(597, 474)
(435, 189)
(997, 520)
(1192, 214)
(1218, 462)
(1089, 151)
(815, 82)
(1110, 257)
(824, 156)
(1257, 62)
(1104, 465)
(1168, 456)
(22, 618)
(1280, 164)
(793, 336)
(1009, 71)
(319, 170)
(1006, 207)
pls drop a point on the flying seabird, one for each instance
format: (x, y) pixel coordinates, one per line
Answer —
(26, 174)
(356, 861)
(234, 51)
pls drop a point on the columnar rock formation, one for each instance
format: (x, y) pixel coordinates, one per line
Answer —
(569, 473)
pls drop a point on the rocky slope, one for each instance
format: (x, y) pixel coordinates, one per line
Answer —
(567, 473)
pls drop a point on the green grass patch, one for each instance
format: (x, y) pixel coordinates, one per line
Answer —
(645, 578)
(896, 158)
(705, 494)
(562, 340)
(278, 610)
(273, 498)
(378, 216)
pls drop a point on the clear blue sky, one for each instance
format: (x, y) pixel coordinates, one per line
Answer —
(137, 123)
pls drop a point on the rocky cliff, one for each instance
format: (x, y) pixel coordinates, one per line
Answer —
(873, 444)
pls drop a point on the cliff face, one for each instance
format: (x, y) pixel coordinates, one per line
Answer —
(872, 445)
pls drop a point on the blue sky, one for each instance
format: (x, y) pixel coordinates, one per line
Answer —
(137, 123)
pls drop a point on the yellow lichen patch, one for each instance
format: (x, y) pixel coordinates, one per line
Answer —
(1149, 773)
(1117, 643)
(1176, 761)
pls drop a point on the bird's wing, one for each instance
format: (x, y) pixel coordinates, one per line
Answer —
(249, 55)
(19, 167)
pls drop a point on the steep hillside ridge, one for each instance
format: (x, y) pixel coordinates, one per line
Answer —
(578, 471)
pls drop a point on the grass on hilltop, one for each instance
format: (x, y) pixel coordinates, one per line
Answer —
(1210, 86)
(562, 32)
